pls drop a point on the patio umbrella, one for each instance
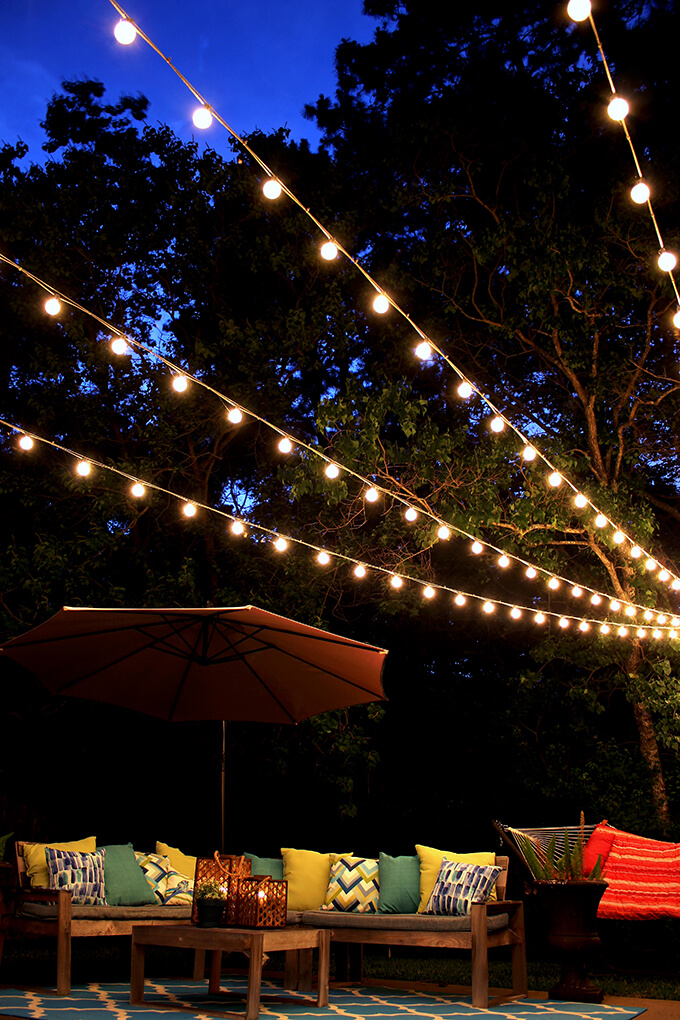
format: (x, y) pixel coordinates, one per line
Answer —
(240, 663)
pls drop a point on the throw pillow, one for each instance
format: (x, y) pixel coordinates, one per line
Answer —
(36, 862)
(272, 866)
(430, 863)
(124, 880)
(165, 882)
(308, 874)
(82, 874)
(184, 863)
(353, 885)
(399, 884)
(458, 886)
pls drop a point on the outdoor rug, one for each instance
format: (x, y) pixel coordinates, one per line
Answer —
(112, 1002)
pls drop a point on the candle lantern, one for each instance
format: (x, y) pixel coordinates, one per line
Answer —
(262, 902)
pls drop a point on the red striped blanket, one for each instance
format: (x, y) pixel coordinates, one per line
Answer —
(643, 874)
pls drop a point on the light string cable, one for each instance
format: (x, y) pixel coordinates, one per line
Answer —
(618, 109)
(531, 451)
(661, 628)
(372, 489)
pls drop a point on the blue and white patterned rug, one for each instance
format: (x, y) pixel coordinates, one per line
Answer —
(112, 1002)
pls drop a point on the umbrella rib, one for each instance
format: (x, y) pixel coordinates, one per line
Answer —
(201, 637)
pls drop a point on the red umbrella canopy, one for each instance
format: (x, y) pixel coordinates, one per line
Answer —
(240, 663)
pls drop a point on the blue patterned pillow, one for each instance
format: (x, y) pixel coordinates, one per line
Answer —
(82, 874)
(458, 886)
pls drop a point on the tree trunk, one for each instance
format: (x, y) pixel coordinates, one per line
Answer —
(650, 752)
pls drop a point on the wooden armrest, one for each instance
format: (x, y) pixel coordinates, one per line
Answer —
(500, 906)
(41, 895)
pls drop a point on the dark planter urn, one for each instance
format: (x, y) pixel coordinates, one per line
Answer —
(209, 913)
(570, 910)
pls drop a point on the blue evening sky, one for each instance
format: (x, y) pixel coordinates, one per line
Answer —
(257, 62)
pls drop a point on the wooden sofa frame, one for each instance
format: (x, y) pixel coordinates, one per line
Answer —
(67, 927)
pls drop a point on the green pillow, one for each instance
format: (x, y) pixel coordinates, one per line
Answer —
(399, 884)
(124, 880)
(272, 866)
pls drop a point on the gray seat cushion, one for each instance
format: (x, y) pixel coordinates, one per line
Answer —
(48, 911)
(338, 919)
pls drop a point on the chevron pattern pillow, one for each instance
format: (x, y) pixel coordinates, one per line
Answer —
(353, 885)
(458, 886)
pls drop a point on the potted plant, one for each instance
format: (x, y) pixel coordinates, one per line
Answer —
(569, 896)
(210, 903)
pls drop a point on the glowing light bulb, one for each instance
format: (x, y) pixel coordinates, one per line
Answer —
(640, 193)
(359, 571)
(460, 599)
(676, 319)
(235, 415)
(202, 117)
(618, 537)
(661, 618)
(584, 626)
(464, 390)
(555, 479)
(631, 610)
(618, 108)
(396, 581)
(380, 304)
(477, 548)
(595, 599)
(553, 583)
(323, 558)
(329, 251)
(371, 495)
(515, 613)
(497, 424)
(641, 632)
(600, 521)
(53, 306)
(539, 618)
(666, 261)
(137, 490)
(280, 545)
(285, 445)
(118, 345)
(444, 533)
(614, 605)
(650, 564)
(423, 351)
(488, 607)
(189, 510)
(604, 629)
(503, 561)
(83, 468)
(636, 552)
(529, 453)
(580, 500)
(564, 622)
(125, 32)
(675, 622)
(656, 633)
(411, 514)
(676, 584)
(237, 528)
(332, 471)
(576, 591)
(664, 575)
(672, 634)
(26, 443)
(429, 592)
(180, 383)
(531, 573)
(622, 632)
(271, 189)
(649, 615)
(578, 10)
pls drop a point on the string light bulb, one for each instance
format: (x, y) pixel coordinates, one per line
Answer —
(650, 564)
(600, 521)
(359, 570)
(465, 390)
(614, 605)
(237, 528)
(329, 251)
(618, 108)
(380, 304)
(323, 558)
(604, 629)
(636, 552)
(553, 583)
(271, 189)
(531, 573)
(656, 633)
(584, 626)
(488, 607)
(26, 443)
(641, 632)
(676, 319)
(189, 510)
(631, 610)
(280, 545)
(83, 468)
(576, 591)
(580, 500)
(515, 613)
(202, 118)
(371, 495)
(666, 261)
(477, 548)
(578, 10)
(555, 479)
(497, 424)
(460, 599)
(137, 490)
(119, 345)
(640, 192)
(423, 351)
(529, 453)
(563, 622)
(53, 306)
(595, 599)
(622, 631)
(396, 581)
(125, 32)
(235, 415)
(676, 584)
(648, 615)
(285, 445)
(539, 618)
(180, 383)
(332, 471)
(429, 592)
(411, 514)
(661, 618)
(503, 561)
(444, 533)
(618, 537)
(664, 575)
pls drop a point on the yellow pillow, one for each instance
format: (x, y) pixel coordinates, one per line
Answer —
(430, 863)
(185, 864)
(36, 865)
(307, 873)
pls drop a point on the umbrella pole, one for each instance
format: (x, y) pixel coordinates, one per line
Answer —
(224, 785)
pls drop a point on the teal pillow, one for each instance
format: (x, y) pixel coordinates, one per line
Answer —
(124, 880)
(272, 866)
(399, 884)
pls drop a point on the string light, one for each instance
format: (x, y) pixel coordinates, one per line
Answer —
(280, 545)
(359, 570)
(664, 575)
(636, 552)
(529, 453)
(580, 500)
(202, 118)
(323, 558)
(676, 319)
(429, 592)
(444, 533)
(563, 622)
(460, 599)
(119, 345)
(539, 618)
(180, 383)
(553, 583)
(578, 10)
(329, 251)
(235, 415)
(125, 32)
(595, 599)
(667, 261)
(237, 528)
(640, 193)
(555, 479)
(576, 591)
(604, 629)
(332, 471)
(137, 490)
(531, 573)
(488, 607)
(396, 581)
(477, 548)
(411, 514)
(497, 424)
(53, 306)
(423, 351)
(631, 610)
(650, 564)
(584, 626)
(618, 108)
(503, 561)
(515, 613)
(271, 189)
(380, 304)
(618, 537)
(285, 445)
(656, 633)
(601, 521)
(189, 510)
(26, 443)
(83, 468)
(622, 631)
(614, 605)
(371, 495)
(465, 390)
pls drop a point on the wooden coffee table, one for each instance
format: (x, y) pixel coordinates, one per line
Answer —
(216, 941)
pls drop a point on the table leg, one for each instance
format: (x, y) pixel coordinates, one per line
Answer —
(254, 976)
(305, 970)
(136, 972)
(215, 971)
(324, 960)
